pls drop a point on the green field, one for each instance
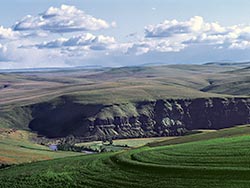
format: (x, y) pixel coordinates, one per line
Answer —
(122, 144)
(17, 147)
(210, 159)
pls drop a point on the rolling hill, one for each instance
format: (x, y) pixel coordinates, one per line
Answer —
(124, 102)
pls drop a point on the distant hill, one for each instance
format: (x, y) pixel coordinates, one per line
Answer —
(237, 64)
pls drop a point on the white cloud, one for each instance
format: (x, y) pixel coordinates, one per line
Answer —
(60, 20)
(196, 31)
(169, 36)
(240, 45)
(8, 33)
(172, 40)
(3, 50)
(12, 56)
(146, 46)
(139, 48)
(193, 26)
(87, 40)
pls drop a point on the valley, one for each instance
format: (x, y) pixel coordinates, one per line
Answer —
(124, 94)
(163, 126)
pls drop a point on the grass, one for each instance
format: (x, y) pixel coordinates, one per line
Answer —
(16, 148)
(209, 159)
(122, 144)
(229, 153)
(120, 87)
(206, 135)
(109, 86)
(217, 162)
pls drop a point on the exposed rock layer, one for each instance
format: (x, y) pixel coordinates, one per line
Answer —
(143, 119)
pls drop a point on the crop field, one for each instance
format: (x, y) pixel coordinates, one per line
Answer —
(218, 159)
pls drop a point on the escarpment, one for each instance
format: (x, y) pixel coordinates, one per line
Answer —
(170, 117)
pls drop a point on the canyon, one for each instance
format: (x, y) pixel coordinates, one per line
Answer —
(170, 117)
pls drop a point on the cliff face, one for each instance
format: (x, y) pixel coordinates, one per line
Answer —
(142, 119)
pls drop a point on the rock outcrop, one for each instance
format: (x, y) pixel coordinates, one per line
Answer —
(170, 117)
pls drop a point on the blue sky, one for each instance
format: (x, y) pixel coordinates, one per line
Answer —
(117, 33)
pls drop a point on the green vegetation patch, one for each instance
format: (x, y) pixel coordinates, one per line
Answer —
(16, 147)
(217, 162)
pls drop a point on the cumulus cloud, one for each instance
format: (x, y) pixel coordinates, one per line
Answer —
(87, 40)
(46, 40)
(169, 36)
(195, 25)
(146, 46)
(174, 35)
(28, 50)
(60, 20)
(8, 33)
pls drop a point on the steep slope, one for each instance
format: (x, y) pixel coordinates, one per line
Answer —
(142, 119)
(125, 102)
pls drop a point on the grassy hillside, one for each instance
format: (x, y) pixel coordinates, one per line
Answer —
(217, 159)
(16, 147)
(117, 85)
(220, 160)
(206, 135)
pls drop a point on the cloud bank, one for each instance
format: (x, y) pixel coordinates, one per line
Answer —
(87, 40)
(173, 35)
(64, 36)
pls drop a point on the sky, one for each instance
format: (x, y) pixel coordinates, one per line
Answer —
(66, 33)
